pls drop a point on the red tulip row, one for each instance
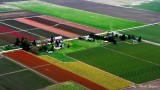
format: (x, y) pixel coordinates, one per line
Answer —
(50, 70)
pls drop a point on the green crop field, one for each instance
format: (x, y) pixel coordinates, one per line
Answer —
(69, 85)
(25, 80)
(15, 77)
(151, 6)
(134, 62)
(150, 33)
(78, 16)
(8, 66)
(2, 42)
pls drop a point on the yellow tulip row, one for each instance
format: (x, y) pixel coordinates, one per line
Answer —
(100, 77)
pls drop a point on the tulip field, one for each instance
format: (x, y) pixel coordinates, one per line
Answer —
(52, 71)
(68, 48)
(91, 73)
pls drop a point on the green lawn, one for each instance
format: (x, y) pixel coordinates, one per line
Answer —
(76, 45)
(123, 64)
(150, 33)
(151, 6)
(78, 16)
(58, 56)
(8, 66)
(66, 86)
(25, 80)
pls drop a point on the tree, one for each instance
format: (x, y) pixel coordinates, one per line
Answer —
(133, 37)
(34, 43)
(57, 43)
(52, 48)
(26, 45)
(114, 42)
(110, 39)
(17, 43)
(68, 46)
(139, 39)
(129, 37)
(22, 39)
(116, 36)
(51, 40)
(123, 37)
(45, 48)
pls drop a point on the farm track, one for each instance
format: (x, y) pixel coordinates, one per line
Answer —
(121, 12)
(61, 75)
(16, 14)
(61, 26)
(47, 28)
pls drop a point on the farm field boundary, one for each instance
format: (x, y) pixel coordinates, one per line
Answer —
(17, 73)
(20, 29)
(59, 71)
(85, 18)
(89, 72)
(116, 11)
(119, 59)
(150, 33)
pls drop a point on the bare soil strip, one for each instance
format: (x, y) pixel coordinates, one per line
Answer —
(61, 26)
(47, 28)
(31, 29)
(86, 28)
(18, 24)
(121, 12)
(16, 14)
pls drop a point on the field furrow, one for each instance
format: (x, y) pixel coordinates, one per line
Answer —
(47, 28)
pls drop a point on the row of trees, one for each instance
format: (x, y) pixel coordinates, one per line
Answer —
(42, 45)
